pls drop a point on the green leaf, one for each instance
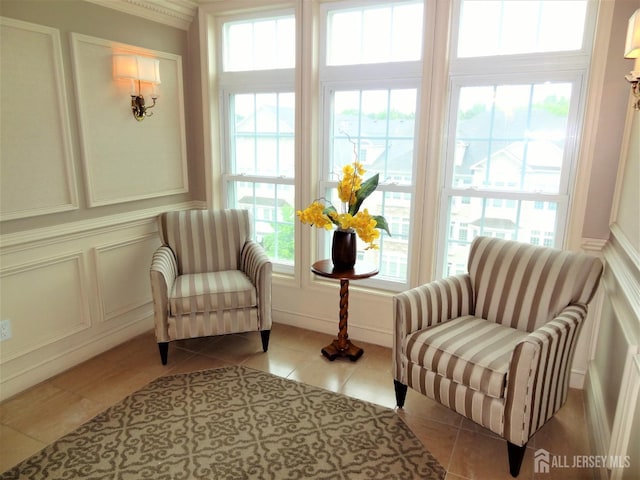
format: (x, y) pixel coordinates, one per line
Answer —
(381, 223)
(328, 210)
(366, 188)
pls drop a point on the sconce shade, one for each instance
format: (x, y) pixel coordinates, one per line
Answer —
(134, 67)
(632, 45)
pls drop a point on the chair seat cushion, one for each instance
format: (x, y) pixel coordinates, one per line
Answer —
(467, 350)
(212, 291)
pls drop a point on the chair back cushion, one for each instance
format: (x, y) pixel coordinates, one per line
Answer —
(524, 286)
(205, 240)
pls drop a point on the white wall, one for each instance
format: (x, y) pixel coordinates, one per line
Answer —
(613, 382)
(82, 182)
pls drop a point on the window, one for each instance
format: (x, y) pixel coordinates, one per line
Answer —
(498, 117)
(516, 113)
(259, 128)
(506, 27)
(372, 112)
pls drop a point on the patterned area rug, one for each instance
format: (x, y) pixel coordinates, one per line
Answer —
(235, 423)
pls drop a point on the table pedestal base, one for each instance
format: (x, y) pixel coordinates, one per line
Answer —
(334, 351)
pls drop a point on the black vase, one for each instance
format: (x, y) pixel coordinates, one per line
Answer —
(343, 249)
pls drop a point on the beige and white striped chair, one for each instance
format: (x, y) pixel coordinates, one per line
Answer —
(496, 344)
(209, 278)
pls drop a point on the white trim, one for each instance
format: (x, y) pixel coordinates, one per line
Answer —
(624, 264)
(27, 239)
(625, 410)
(594, 96)
(105, 313)
(77, 259)
(175, 13)
(84, 107)
(595, 410)
(58, 82)
(62, 360)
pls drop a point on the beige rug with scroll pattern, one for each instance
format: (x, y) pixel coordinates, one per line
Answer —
(235, 423)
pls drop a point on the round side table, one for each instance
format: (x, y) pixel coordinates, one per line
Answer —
(342, 346)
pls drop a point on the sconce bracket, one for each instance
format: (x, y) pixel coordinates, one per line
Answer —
(139, 109)
(634, 79)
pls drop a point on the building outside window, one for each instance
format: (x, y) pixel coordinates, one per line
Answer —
(517, 82)
(369, 114)
(514, 101)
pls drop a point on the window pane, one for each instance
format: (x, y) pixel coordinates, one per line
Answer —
(503, 27)
(259, 45)
(378, 127)
(512, 137)
(525, 221)
(262, 134)
(271, 208)
(384, 33)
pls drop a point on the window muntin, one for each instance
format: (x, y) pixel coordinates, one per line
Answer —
(371, 112)
(507, 27)
(508, 163)
(519, 220)
(512, 136)
(271, 208)
(262, 134)
(517, 79)
(259, 44)
(375, 34)
(378, 126)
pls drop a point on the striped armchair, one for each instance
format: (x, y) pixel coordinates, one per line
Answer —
(209, 278)
(496, 344)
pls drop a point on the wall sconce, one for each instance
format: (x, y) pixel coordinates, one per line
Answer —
(139, 70)
(632, 50)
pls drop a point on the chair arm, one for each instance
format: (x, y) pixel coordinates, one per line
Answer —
(255, 263)
(538, 376)
(164, 270)
(429, 304)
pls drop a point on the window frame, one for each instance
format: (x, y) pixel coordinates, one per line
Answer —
(255, 82)
(516, 69)
(362, 77)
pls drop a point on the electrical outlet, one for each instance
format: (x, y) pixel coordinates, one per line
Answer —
(5, 330)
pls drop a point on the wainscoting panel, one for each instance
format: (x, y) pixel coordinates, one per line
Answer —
(613, 377)
(73, 291)
(123, 277)
(57, 305)
(125, 159)
(37, 163)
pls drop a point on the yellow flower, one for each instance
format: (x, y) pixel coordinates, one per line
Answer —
(314, 215)
(350, 182)
(352, 192)
(365, 226)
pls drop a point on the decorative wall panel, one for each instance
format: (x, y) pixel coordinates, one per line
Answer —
(57, 305)
(123, 275)
(125, 159)
(36, 164)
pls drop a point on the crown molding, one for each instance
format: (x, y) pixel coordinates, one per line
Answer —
(175, 13)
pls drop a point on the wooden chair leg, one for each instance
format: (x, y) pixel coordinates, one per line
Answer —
(265, 339)
(516, 454)
(401, 393)
(164, 351)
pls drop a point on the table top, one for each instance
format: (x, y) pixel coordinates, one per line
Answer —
(361, 270)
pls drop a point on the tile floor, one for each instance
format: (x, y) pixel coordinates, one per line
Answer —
(40, 415)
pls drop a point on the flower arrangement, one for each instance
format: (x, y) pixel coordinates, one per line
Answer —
(352, 191)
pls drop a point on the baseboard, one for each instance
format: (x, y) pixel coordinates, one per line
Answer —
(577, 378)
(55, 365)
(330, 327)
